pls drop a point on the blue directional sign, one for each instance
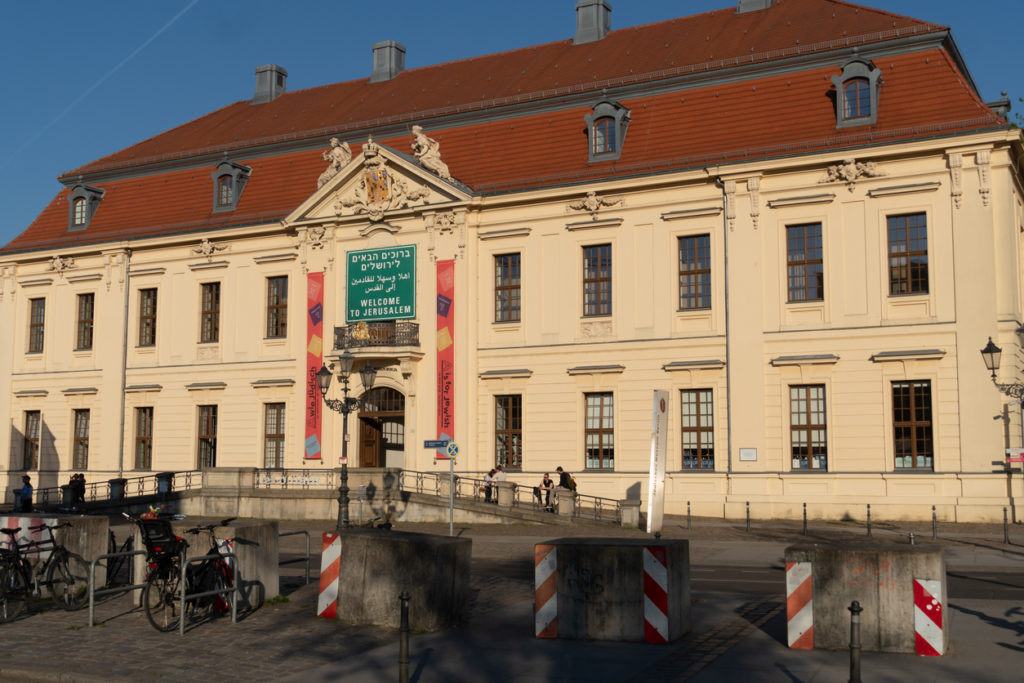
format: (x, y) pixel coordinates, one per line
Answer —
(436, 444)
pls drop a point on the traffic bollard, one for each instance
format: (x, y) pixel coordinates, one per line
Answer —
(1006, 528)
(748, 516)
(855, 610)
(869, 519)
(911, 536)
(688, 527)
(805, 519)
(935, 525)
(403, 641)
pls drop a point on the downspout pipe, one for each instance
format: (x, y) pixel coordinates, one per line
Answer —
(124, 359)
(728, 359)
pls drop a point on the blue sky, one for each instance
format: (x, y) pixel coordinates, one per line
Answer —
(82, 80)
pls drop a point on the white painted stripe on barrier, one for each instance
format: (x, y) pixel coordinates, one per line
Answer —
(330, 562)
(655, 569)
(801, 622)
(656, 618)
(796, 574)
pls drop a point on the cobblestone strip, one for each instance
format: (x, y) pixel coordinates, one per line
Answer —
(698, 651)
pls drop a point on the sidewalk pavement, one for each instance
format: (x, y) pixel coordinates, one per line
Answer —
(734, 636)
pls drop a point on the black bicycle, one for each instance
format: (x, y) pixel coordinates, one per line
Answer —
(119, 568)
(64, 574)
(161, 595)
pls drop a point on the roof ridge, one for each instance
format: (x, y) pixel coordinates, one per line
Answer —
(846, 3)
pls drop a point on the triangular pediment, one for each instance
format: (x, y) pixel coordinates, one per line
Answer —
(375, 185)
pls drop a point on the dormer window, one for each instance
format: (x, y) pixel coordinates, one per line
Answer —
(857, 94)
(79, 213)
(82, 204)
(606, 129)
(225, 191)
(229, 180)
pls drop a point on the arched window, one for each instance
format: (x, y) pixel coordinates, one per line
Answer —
(225, 194)
(857, 93)
(79, 211)
(857, 98)
(606, 128)
(604, 135)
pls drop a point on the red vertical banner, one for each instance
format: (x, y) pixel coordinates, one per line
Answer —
(314, 359)
(445, 352)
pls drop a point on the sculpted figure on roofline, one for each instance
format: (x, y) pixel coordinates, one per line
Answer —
(428, 151)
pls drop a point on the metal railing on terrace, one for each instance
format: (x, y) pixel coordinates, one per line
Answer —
(145, 485)
(369, 334)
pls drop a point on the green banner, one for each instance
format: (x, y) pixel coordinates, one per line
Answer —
(381, 284)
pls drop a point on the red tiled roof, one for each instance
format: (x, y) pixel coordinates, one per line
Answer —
(791, 113)
(694, 44)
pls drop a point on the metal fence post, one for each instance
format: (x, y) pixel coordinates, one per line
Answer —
(688, 523)
(855, 610)
(403, 642)
(1006, 529)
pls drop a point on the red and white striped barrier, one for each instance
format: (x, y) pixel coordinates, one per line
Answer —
(799, 605)
(655, 594)
(545, 605)
(928, 617)
(330, 570)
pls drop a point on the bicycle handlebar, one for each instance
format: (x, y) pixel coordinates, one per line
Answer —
(210, 527)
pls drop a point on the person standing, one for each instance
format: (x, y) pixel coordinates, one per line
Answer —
(25, 495)
(488, 484)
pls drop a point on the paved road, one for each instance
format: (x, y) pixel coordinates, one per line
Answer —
(738, 632)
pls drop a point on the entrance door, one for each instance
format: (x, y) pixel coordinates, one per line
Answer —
(382, 429)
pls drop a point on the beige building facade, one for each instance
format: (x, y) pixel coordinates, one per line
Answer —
(815, 316)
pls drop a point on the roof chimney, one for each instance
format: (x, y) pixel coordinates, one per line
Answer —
(752, 5)
(270, 83)
(388, 60)
(593, 21)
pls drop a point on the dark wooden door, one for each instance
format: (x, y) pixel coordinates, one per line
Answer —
(369, 442)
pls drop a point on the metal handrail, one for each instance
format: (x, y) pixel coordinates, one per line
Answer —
(117, 589)
(297, 559)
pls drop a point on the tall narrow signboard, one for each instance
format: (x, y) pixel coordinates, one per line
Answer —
(659, 454)
(314, 359)
(445, 352)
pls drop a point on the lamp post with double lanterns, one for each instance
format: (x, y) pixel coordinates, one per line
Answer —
(344, 406)
(992, 355)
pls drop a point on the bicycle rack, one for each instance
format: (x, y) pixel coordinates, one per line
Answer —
(105, 591)
(234, 590)
(297, 559)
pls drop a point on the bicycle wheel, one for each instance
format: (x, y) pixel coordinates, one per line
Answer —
(160, 598)
(13, 592)
(68, 579)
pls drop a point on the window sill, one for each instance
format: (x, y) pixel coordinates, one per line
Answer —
(910, 295)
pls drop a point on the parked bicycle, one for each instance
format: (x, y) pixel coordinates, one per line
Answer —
(64, 574)
(161, 596)
(118, 566)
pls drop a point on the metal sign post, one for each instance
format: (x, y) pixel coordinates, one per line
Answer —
(450, 451)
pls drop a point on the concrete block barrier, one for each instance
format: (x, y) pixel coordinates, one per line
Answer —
(901, 588)
(632, 590)
(375, 566)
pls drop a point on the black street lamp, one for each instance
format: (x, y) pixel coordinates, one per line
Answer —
(344, 406)
(992, 355)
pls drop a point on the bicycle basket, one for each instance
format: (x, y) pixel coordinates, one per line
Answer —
(158, 537)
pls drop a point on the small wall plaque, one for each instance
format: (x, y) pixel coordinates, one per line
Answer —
(748, 454)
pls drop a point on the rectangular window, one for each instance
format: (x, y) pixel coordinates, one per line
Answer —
(803, 262)
(209, 328)
(30, 453)
(908, 254)
(599, 431)
(273, 435)
(86, 311)
(80, 447)
(277, 307)
(912, 424)
(207, 436)
(807, 427)
(508, 431)
(597, 280)
(36, 325)
(694, 272)
(698, 429)
(147, 317)
(143, 438)
(506, 288)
